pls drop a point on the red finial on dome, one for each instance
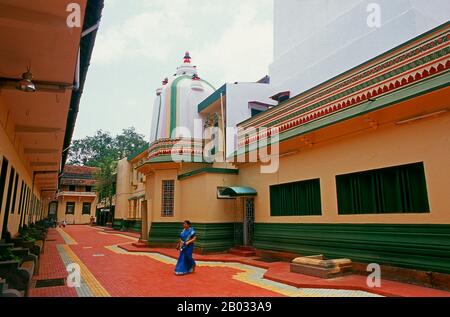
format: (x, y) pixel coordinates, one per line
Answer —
(165, 81)
(187, 58)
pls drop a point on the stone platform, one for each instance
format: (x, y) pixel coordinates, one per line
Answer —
(318, 266)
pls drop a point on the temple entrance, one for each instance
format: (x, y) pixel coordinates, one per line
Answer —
(104, 216)
(245, 207)
(249, 221)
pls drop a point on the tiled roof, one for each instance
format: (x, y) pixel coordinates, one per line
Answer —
(72, 169)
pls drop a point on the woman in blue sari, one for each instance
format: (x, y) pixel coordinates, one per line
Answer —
(186, 263)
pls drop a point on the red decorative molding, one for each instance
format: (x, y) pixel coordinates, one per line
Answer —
(421, 59)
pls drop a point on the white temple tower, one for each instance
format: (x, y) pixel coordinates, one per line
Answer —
(176, 101)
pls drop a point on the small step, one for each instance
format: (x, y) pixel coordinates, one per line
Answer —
(243, 251)
(140, 244)
(244, 248)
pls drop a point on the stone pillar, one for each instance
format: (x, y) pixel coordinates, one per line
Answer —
(144, 217)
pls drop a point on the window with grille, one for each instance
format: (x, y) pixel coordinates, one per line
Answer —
(168, 195)
(70, 208)
(86, 209)
(399, 189)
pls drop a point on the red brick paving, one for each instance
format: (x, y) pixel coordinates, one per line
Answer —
(132, 234)
(60, 291)
(225, 257)
(52, 267)
(140, 276)
(280, 272)
(127, 275)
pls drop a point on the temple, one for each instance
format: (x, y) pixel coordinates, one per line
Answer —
(339, 152)
(335, 163)
(176, 100)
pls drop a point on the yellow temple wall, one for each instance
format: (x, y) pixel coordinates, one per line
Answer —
(199, 199)
(195, 197)
(424, 141)
(122, 189)
(154, 195)
(77, 218)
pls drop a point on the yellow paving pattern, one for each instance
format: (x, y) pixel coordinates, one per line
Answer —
(67, 238)
(253, 276)
(248, 274)
(120, 235)
(94, 285)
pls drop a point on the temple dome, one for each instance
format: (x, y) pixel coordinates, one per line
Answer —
(177, 100)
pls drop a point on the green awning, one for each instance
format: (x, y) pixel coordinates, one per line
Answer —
(239, 191)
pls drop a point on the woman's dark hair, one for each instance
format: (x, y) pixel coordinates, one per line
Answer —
(187, 222)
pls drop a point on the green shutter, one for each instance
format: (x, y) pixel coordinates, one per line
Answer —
(296, 199)
(400, 189)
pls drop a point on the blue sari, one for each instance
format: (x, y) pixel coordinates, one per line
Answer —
(186, 263)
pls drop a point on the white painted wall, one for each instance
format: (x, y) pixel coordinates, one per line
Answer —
(188, 100)
(316, 40)
(237, 98)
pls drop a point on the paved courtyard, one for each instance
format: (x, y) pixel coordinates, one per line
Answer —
(110, 266)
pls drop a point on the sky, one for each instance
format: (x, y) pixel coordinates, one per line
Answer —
(140, 42)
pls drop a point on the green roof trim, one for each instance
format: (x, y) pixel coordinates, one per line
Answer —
(209, 170)
(138, 152)
(385, 54)
(169, 159)
(408, 93)
(212, 98)
(239, 191)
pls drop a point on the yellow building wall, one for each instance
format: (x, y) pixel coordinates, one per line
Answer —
(129, 184)
(122, 189)
(199, 198)
(12, 149)
(138, 189)
(195, 198)
(154, 196)
(78, 218)
(149, 195)
(425, 141)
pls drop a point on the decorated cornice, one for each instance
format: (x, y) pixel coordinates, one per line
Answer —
(418, 60)
(167, 147)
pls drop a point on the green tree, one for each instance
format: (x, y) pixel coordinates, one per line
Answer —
(129, 143)
(102, 147)
(92, 150)
(103, 151)
(106, 184)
